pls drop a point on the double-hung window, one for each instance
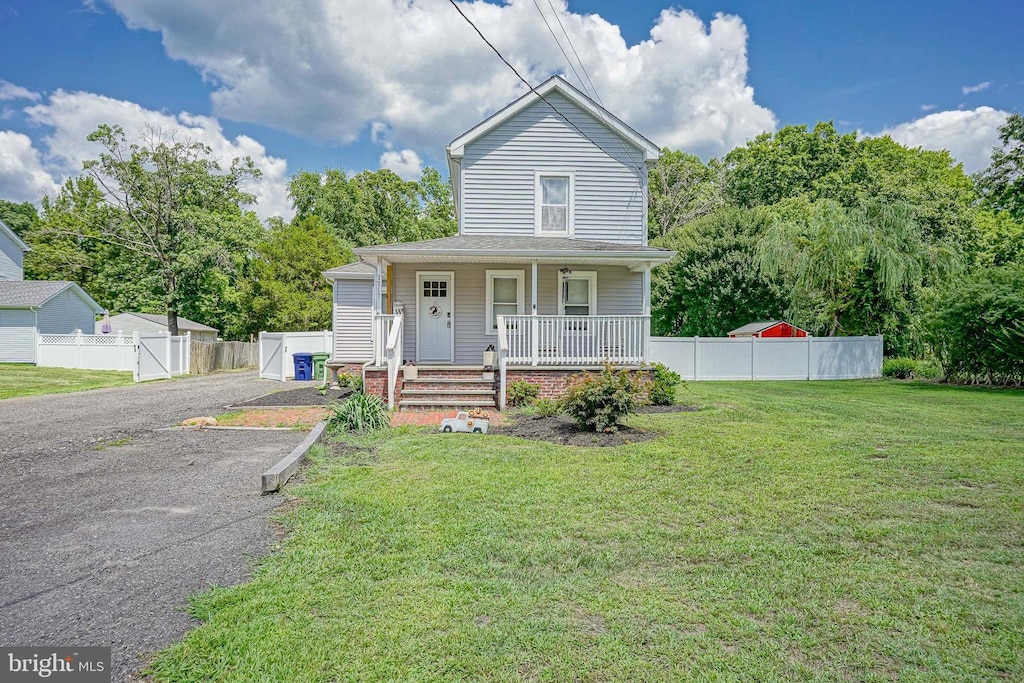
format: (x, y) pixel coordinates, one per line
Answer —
(578, 293)
(504, 296)
(554, 200)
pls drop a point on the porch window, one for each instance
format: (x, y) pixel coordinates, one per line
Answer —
(554, 203)
(578, 293)
(504, 296)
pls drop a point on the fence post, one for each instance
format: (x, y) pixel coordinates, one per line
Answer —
(327, 342)
(168, 355)
(753, 356)
(35, 345)
(696, 358)
(259, 355)
(284, 353)
(138, 352)
(78, 348)
(809, 357)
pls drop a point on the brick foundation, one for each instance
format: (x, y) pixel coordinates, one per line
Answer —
(553, 383)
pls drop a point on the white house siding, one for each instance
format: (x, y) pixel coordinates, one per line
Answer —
(17, 335)
(66, 312)
(619, 292)
(11, 258)
(499, 172)
(353, 320)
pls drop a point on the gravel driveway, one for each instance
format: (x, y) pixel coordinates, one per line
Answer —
(108, 526)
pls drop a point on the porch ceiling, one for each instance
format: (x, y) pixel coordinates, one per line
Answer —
(514, 259)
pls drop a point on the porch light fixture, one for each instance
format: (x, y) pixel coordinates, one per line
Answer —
(565, 271)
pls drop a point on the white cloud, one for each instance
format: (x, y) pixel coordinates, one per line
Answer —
(406, 163)
(969, 135)
(979, 87)
(22, 176)
(9, 91)
(70, 116)
(331, 69)
(927, 107)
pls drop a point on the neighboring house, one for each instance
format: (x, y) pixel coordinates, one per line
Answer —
(770, 328)
(154, 322)
(12, 254)
(550, 266)
(46, 307)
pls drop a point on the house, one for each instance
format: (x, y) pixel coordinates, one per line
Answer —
(129, 322)
(771, 328)
(28, 307)
(550, 266)
(12, 254)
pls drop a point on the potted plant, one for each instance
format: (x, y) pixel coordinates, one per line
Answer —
(409, 371)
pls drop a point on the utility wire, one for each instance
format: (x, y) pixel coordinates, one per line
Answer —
(561, 49)
(569, 40)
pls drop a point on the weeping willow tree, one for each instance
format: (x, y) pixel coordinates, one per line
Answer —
(852, 271)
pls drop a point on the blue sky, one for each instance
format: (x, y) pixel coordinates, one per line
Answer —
(357, 85)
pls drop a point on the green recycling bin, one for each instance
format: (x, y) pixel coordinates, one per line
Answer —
(318, 365)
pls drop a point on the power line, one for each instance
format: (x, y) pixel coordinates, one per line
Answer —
(559, 44)
(569, 40)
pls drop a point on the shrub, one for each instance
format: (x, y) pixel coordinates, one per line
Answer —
(899, 368)
(543, 407)
(353, 382)
(521, 393)
(598, 402)
(976, 327)
(359, 413)
(661, 387)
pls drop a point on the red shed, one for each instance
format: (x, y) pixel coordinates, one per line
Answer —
(771, 328)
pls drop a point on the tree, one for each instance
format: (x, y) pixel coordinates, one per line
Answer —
(713, 284)
(19, 217)
(286, 289)
(1002, 184)
(851, 270)
(680, 189)
(1000, 239)
(376, 207)
(178, 215)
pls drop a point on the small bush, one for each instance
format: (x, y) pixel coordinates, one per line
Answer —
(544, 407)
(521, 393)
(598, 402)
(353, 382)
(899, 368)
(359, 413)
(661, 388)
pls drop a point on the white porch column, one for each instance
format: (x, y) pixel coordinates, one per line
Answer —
(534, 327)
(379, 336)
(647, 312)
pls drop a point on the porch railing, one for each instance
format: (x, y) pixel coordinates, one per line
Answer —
(382, 325)
(393, 357)
(540, 340)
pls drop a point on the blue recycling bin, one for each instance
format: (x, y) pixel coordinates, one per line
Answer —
(303, 366)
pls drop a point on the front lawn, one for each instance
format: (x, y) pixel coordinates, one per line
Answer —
(28, 380)
(785, 531)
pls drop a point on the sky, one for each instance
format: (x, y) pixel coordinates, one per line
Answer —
(364, 84)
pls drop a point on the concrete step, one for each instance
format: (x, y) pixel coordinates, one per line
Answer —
(446, 403)
(427, 379)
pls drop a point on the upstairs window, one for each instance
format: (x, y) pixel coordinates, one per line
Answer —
(554, 204)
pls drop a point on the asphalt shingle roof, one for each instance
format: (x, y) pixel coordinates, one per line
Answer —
(357, 268)
(751, 328)
(505, 243)
(183, 323)
(30, 293)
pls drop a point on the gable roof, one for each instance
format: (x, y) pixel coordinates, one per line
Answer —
(754, 328)
(35, 293)
(14, 236)
(556, 83)
(183, 323)
(351, 271)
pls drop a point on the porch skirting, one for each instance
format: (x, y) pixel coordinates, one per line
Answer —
(554, 381)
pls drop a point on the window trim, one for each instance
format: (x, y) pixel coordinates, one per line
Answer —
(590, 275)
(489, 276)
(537, 203)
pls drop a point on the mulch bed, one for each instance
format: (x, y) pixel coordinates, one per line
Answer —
(563, 431)
(304, 396)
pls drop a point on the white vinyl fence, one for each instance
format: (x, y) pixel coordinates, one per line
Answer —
(276, 349)
(147, 355)
(750, 358)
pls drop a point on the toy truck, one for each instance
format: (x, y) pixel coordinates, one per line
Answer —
(462, 422)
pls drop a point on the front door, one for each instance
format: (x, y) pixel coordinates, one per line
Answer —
(435, 319)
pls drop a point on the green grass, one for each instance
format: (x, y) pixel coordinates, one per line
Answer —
(27, 380)
(859, 531)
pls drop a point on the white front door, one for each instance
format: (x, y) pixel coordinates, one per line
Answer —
(435, 317)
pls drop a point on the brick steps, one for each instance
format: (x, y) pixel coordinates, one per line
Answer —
(447, 388)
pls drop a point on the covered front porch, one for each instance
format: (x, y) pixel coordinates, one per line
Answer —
(568, 305)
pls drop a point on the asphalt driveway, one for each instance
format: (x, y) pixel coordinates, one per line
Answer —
(107, 526)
